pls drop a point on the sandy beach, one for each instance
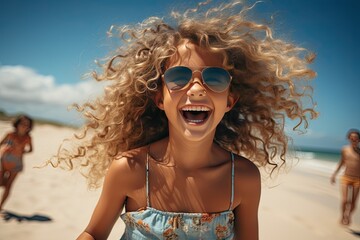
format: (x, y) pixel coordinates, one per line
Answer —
(301, 204)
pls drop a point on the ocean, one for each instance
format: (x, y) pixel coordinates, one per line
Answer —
(320, 154)
(320, 160)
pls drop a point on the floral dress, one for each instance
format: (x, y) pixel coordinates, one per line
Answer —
(150, 223)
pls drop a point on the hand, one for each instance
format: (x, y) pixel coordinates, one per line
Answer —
(333, 179)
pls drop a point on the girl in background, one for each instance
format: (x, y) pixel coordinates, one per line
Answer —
(12, 148)
(350, 181)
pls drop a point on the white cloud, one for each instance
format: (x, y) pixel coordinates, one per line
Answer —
(25, 90)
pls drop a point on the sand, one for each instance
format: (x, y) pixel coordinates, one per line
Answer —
(301, 204)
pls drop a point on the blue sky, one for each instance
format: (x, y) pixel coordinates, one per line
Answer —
(47, 46)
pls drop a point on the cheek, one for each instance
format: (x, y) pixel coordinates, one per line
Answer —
(170, 101)
(222, 100)
(160, 98)
(220, 106)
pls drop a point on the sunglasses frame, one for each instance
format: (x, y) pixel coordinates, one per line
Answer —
(191, 80)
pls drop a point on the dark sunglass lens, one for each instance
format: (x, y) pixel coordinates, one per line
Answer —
(217, 79)
(177, 77)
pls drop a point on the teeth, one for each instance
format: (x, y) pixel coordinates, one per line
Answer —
(196, 108)
(195, 121)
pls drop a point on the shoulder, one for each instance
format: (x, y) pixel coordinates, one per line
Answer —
(346, 149)
(129, 161)
(6, 136)
(128, 167)
(11, 135)
(246, 169)
(28, 138)
(247, 179)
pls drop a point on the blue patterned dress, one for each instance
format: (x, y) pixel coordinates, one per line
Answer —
(150, 223)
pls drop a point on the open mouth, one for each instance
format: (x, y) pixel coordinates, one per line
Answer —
(195, 114)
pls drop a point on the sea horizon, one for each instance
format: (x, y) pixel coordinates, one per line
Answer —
(320, 160)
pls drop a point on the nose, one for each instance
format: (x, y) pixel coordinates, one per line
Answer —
(197, 88)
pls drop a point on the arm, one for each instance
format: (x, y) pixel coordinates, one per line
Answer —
(110, 203)
(340, 165)
(4, 139)
(4, 147)
(30, 149)
(248, 186)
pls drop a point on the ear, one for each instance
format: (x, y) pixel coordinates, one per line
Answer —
(231, 102)
(159, 100)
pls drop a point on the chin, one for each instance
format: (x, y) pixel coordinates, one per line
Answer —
(196, 136)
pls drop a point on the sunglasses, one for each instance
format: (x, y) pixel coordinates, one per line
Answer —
(216, 79)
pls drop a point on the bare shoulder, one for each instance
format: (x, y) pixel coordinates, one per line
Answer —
(247, 181)
(345, 148)
(130, 160)
(246, 169)
(127, 168)
(346, 151)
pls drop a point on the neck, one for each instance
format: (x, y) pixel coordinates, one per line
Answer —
(20, 134)
(188, 155)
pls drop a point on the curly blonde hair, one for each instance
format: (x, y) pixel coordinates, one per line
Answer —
(269, 75)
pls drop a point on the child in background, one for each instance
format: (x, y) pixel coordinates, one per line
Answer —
(194, 109)
(12, 148)
(350, 181)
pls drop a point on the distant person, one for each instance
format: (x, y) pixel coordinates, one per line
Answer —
(350, 181)
(12, 148)
(194, 108)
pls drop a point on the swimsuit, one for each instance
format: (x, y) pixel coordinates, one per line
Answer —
(12, 162)
(12, 159)
(150, 223)
(348, 180)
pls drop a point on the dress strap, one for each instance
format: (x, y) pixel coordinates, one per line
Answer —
(147, 181)
(232, 180)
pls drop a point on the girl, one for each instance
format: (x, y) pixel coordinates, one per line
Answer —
(12, 149)
(193, 110)
(350, 181)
